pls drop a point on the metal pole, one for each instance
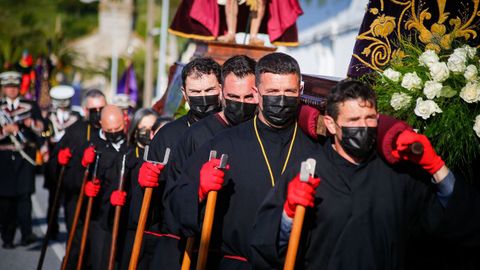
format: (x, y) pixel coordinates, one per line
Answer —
(162, 53)
(148, 84)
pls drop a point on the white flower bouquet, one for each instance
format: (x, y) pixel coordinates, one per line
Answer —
(437, 93)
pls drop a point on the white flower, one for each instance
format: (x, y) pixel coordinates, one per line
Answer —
(400, 101)
(471, 73)
(411, 81)
(470, 92)
(439, 71)
(392, 74)
(427, 58)
(432, 89)
(471, 51)
(426, 108)
(476, 126)
(457, 60)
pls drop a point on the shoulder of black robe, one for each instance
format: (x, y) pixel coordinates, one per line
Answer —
(108, 172)
(135, 192)
(361, 222)
(198, 134)
(168, 136)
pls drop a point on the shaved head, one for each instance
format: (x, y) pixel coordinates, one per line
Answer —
(112, 119)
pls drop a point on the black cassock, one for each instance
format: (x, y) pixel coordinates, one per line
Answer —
(100, 232)
(167, 137)
(131, 212)
(77, 137)
(246, 183)
(364, 216)
(199, 133)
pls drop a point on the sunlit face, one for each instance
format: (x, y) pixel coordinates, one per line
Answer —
(352, 113)
(94, 103)
(147, 123)
(11, 91)
(277, 85)
(204, 85)
(240, 89)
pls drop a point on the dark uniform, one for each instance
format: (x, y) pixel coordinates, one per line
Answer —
(364, 216)
(17, 176)
(131, 210)
(246, 183)
(167, 137)
(108, 172)
(76, 136)
(57, 122)
(199, 133)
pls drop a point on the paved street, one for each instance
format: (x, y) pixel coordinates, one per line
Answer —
(26, 257)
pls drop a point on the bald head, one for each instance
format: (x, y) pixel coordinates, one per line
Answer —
(112, 119)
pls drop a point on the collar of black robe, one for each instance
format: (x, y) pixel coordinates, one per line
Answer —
(344, 168)
(220, 119)
(278, 136)
(191, 119)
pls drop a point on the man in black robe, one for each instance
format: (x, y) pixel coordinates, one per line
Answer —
(239, 105)
(259, 150)
(111, 145)
(364, 211)
(201, 88)
(69, 150)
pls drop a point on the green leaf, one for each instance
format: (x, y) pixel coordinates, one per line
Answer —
(448, 92)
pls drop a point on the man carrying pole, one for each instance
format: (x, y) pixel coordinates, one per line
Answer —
(75, 138)
(201, 88)
(365, 211)
(111, 143)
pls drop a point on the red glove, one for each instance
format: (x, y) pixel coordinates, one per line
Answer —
(91, 189)
(64, 156)
(118, 198)
(211, 178)
(300, 193)
(430, 161)
(148, 174)
(88, 156)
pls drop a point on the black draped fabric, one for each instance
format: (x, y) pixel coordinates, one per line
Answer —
(76, 137)
(199, 133)
(364, 216)
(385, 21)
(246, 182)
(108, 172)
(167, 137)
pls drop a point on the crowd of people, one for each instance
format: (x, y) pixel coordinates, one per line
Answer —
(362, 212)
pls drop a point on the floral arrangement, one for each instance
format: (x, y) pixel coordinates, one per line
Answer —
(438, 93)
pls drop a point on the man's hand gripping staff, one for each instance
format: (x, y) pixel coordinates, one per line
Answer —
(300, 194)
(211, 180)
(117, 199)
(148, 178)
(91, 190)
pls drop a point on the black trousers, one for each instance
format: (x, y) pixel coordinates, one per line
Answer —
(15, 210)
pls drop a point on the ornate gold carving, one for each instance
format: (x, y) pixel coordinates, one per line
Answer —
(440, 35)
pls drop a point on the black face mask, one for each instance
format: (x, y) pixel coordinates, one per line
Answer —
(238, 112)
(202, 106)
(94, 117)
(142, 136)
(115, 137)
(279, 110)
(358, 142)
